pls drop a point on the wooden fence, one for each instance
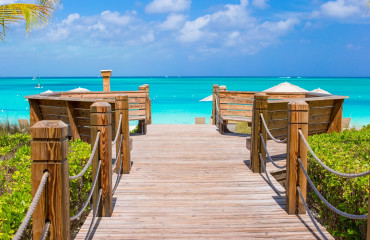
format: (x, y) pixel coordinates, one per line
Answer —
(73, 108)
(49, 149)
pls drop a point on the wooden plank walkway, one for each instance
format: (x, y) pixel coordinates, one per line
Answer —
(190, 182)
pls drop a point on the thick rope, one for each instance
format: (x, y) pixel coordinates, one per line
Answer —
(118, 177)
(334, 209)
(86, 203)
(269, 133)
(118, 151)
(45, 232)
(310, 214)
(268, 155)
(118, 130)
(346, 175)
(83, 171)
(94, 214)
(35, 200)
(268, 178)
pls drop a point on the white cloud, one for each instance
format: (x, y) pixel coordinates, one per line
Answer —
(340, 8)
(71, 18)
(58, 34)
(116, 18)
(148, 37)
(165, 6)
(262, 4)
(192, 31)
(173, 22)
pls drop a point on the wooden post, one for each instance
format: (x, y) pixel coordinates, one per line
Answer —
(35, 113)
(72, 120)
(259, 106)
(148, 105)
(122, 108)
(142, 123)
(49, 149)
(335, 123)
(297, 119)
(222, 123)
(214, 96)
(106, 74)
(100, 117)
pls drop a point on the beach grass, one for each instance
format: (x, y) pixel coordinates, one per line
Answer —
(242, 127)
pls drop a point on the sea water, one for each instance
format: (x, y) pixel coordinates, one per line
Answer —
(176, 100)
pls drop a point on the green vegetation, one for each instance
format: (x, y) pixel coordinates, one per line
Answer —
(242, 127)
(34, 14)
(135, 130)
(10, 128)
(15, 181)
(347, 152)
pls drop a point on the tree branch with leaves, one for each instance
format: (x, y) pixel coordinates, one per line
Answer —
(35, 14)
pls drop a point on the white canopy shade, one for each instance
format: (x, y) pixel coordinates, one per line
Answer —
(319, 90)
(207, 99)
(79, 89)
(285, 87)
(47, 91)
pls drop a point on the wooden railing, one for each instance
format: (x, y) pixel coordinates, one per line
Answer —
(73, 108)
(49, 149)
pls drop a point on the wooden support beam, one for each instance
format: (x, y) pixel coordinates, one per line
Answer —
(49, 149)
(335, 123)
(298, 119)
(106, 74)
(72, 120)
(214, 96)
(122, 108)
(35, 113)
(259, 106)
(100, 118)
(148, 105)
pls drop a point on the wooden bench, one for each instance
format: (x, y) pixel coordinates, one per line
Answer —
(237, 106)
(73, 108)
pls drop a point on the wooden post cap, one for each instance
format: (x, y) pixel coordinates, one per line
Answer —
(106, 73)
(100, 107)
(223, 88)
(215, 85)
(122, 97)
(260, 96)
(49, 129)
(298, 111)
(142, 87)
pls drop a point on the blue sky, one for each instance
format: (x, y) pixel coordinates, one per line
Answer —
(194, 38)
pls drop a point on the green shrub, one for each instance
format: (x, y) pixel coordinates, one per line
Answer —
(15, 181)
(242, 127)
(347, 152)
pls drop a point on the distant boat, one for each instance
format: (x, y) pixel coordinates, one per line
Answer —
(39, 84)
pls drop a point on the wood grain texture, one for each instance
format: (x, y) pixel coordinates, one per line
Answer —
(46, 156)
(72, 120)
(101, 121)
(298, 119)
(190, 182)
(335, 124)
(122, 108)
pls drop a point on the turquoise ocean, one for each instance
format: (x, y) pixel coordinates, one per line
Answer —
(176, 100)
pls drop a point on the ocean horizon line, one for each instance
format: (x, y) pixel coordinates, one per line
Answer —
(188, 76)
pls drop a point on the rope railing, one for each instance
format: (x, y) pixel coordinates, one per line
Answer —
(268, 178)
(86, 203)
(310, 214)
(118, 152)
(268, 155)
(269, 133)
(45, 232)
(331, 207)
(346, 175)
(118, 179)
(34, 203)
(94, 214)
(83, 171)
(118, 130)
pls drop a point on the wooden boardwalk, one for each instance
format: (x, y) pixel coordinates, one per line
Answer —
(190, 182)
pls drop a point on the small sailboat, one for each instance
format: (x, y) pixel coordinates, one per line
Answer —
(39, 84)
